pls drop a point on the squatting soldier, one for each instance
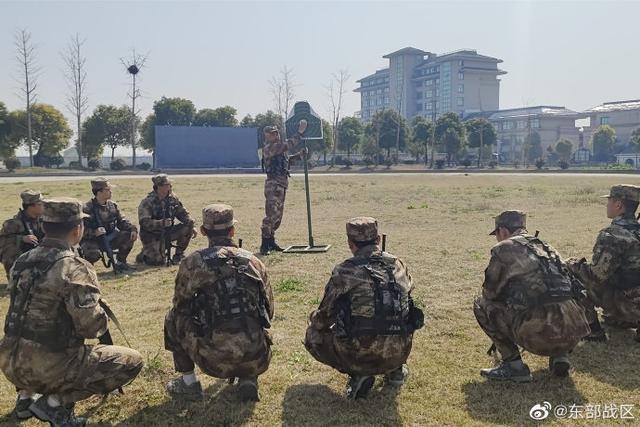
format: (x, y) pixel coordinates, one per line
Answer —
(364, 325)
(276, 164)
(528, 300)
(55, 304)
(106, 225)
(612, 278)
(156, 214)
(22, 232)
(222, 306)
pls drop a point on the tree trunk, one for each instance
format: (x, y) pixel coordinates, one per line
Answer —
(113, 149)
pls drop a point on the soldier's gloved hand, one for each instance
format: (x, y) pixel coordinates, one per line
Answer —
(302, 126)
(30, 239)
(134, 236)
(100, 231)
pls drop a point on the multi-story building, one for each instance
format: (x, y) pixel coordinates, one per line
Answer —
(623, 116)
(424, 83)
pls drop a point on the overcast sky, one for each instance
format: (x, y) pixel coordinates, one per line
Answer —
(575, 54)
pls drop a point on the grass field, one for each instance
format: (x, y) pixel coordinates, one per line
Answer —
(439, 226)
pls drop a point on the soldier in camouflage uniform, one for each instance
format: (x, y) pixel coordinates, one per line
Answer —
(364, 325)
(528, 300)
(55, 304)
(156, 214)
(23, 232)
(222, 306)
(612, 278)
(106, 222)
(276, 164)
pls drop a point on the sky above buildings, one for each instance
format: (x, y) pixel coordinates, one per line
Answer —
(573, 54)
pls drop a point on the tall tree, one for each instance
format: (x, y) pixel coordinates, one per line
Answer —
(219, 117)
(564, 148)
(282, 91)
(391, 129)
(7, 145)
(321, 146)
(26, 57)
(133, 65)
(76, 76)
(480, 134)
(49, 130)
(450, 132)
(350, 134)
(335, 92)
(603, 139)
(148, 136)
(634, 142)
(174, 112)
(422, 130)
(533, 146)
(108, 125)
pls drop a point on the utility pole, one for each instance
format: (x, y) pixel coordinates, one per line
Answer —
(133, 66)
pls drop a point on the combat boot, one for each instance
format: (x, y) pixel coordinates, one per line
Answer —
(248, 389)
(359, 387)
(275, 246)
(60, 416)
(559, 365)
(178, 389)
(265, 247)
(22, 410)
(597, 333)
(515, 371)
(397, 377)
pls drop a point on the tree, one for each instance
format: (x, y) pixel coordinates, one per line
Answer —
(49, 130)
(634, 142)
(603, 139)
(25, 55)
(533, 146)
(76, 75)
(369, 148)
(564, 148)
(7, 145)
(219, 117)
(261, 120)
(319, 146)
(174, 112)
(422, 130)
(480, 134)
(283, 93)
(335, 92)
(451, 134)
(391, 129)
(350, 134)
(108, 125)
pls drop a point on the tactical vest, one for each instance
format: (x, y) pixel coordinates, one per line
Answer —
(112, 220)
(628, 276)
(278, 165)
(381, 307)
(56, 335)
(557, 280)
(164, 209)
(227, 303)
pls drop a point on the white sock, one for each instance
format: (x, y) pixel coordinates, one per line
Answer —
(23, 394)
(53, 401)
(190, 378)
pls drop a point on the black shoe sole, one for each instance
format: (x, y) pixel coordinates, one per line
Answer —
(560, 369)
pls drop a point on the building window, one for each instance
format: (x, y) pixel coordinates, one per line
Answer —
(428, 82)
(460, 75)
(508, 125)
(521, 124)
(498, 125)
(386, 99)
(604, 120)
(460, 88)
(535, 123)
(379, 101)
(428, 94)
(460, 101)
(428, 106)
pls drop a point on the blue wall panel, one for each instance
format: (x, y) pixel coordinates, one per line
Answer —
(187, 147)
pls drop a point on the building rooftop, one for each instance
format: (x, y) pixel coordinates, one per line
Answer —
(540, 110)
(607, 107)
(407, 51)
(378, 73)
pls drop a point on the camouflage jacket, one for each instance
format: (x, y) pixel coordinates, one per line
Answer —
(152, 210)
(109, 215)
(277, 152)
(13, 230)
(351, 279)
(616, 256)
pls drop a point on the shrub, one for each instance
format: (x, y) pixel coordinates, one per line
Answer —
(440, 164)
(348, 163)
(56, 160)
(12, 163)
(563, 164)
(539, 163)
(75, 165)
(368, 161)
(143, 166)
(493, 164)
(466, 163)
(117, 165)
(94, 164)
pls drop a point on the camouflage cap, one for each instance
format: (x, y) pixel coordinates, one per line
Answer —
(270, 129)
(624, 192)
(510, 219)
(100, 183)
(30, 197)
(161, 179)
(217, 217)
(63, 209)
(362, 229)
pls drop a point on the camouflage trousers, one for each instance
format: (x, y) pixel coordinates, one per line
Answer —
(120, 242)
(547, 330)
(223, 353)
(366, 355)
(274, 194)
(92, 370)
(153, 247)
(618, 305)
